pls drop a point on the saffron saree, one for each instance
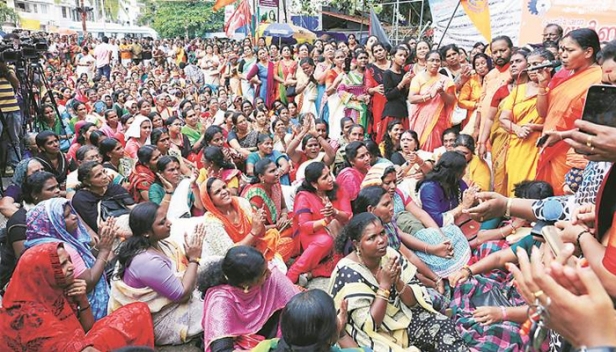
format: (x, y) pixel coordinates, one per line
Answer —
(499, 140)
(270, 244)
(37, 316)
(567, 96)
(522, 154)
(273, 206)
(431, 118)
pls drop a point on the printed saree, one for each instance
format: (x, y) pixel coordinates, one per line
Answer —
(45, 223)
(353, 85)
(402, 326)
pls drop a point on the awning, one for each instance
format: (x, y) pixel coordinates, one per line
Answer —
(30, 24)
(356, 19)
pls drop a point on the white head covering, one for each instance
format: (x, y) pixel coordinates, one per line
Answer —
(134, 131)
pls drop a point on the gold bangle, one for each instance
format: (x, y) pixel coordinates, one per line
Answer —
(508, 210)
(384, 293)
(386, 299)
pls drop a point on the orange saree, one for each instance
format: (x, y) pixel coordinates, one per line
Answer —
(567, 96)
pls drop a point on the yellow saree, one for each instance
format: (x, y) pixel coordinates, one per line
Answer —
(522, 154)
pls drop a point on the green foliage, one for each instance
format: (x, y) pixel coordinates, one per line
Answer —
(7, 14)
(111, 8)
(385, 12)
(191, 18)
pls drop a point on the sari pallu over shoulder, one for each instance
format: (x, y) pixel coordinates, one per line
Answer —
(37, 316)
(566, 103)
(431, 118)
(354, 283)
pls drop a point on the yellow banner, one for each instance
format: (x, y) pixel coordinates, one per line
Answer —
(30, 24)
(479, 13)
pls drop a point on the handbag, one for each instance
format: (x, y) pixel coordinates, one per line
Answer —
(491, 298)
(458, 115)
(111, 207)
(470, 228)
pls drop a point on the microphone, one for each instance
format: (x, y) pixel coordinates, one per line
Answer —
(554, 63)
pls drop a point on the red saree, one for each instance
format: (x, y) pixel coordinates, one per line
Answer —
(38, 316)
(374, 78)
(141, 179)
(567, 96)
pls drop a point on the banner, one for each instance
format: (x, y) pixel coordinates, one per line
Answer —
(268, 11)
(505, 16)
(599, 15)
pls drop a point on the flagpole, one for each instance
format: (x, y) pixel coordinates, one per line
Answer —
(449, 23)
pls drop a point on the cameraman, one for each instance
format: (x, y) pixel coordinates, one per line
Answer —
(11, 122)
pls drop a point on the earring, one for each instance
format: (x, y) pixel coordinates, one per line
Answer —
(246, 289)
(358, 251)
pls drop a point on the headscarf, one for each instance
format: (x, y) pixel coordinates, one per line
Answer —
(45, 223)
(375, 175)
(231, 312)
(36, 312)
(235, 232)
(134, 131)
(21, 172)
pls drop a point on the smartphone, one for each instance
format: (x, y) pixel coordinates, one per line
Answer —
(600, 106)
(541, 141)
(552, 238)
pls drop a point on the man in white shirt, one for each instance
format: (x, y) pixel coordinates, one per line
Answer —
(102, 53)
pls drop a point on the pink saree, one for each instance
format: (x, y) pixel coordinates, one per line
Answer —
(431, 118)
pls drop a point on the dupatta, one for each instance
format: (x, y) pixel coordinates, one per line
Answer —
(231, 312)
(45, 223)
(35, 313)
(268, 244)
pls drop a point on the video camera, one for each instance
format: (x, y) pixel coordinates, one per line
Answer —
(29, 49)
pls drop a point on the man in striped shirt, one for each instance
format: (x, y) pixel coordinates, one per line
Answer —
(11, 126)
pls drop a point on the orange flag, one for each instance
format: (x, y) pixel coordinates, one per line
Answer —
(479, 13)
(222, 3)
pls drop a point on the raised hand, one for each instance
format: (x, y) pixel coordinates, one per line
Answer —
(193, 246)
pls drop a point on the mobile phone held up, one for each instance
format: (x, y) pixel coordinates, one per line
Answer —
(600, 106)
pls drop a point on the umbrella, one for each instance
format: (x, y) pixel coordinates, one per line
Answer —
(66, 31)
(285, 30)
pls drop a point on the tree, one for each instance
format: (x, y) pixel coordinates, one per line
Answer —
(385, 12)
(7, 14)
(189, 18)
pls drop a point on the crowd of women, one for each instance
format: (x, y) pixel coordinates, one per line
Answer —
(195, 196)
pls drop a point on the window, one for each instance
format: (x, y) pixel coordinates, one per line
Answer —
(64, 12)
